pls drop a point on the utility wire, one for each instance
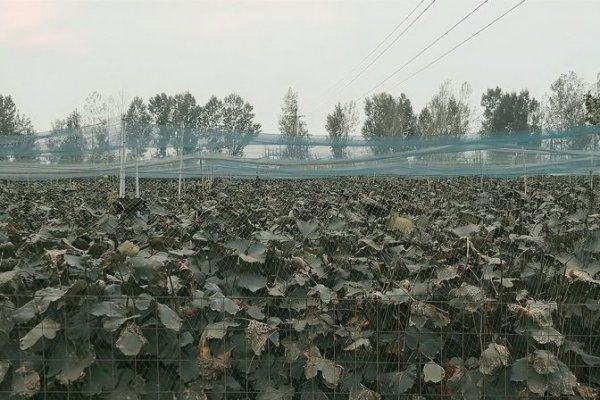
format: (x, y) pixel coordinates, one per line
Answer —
(386, 38)
(376, 48)
(430, 45)
(389, 45)
(457, 46)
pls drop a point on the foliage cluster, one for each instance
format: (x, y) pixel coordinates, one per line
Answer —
(339, 289)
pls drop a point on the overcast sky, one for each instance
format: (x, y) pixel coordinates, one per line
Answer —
(53, 53)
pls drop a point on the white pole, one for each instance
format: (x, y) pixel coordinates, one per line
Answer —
(122, 161)
(180, 168)
(137, 179)
(525, 172)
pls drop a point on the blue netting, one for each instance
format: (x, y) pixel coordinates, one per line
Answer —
(169, 152)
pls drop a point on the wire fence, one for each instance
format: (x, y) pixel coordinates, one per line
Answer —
(361, 288)
(150, 151)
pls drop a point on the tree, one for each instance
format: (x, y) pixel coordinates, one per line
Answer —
(237, 123)
(68, 143)
(564, 106)
(592, 108)
(340, 124)
(186, 120)
(388, 118)
(446, 114)
(211, 116)
(592, 105)
(97, 112)
(13, 123)
(26, 146)
(160, 108)
(506, 112)
(294, 130)
(138, 128)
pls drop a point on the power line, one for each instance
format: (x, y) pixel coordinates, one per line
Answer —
(328, 91)
(386, 38)
(376, 48)
(430, 45)
(389, 45)
(460, 44)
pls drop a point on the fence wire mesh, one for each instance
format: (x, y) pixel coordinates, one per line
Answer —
(359, 288)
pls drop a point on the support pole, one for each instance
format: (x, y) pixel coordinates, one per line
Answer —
(122, 160)
(180, 168)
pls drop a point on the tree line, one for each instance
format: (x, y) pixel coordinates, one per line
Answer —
(178, 123)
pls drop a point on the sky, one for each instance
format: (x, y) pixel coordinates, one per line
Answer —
(53, 53)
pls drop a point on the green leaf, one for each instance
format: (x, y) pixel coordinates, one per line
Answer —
(307, 228)
(281, 393)
(577, 348)
(68, 361)
(218, 330)
(47, 328)
(466, 231)
(519, 370)
(394, 383)
(432, 372)
(544, 362)
(157, 209)
(361, 392)
(112, 324)
(362, 342)
(252, 282)
(371, 244)
(131, 340)
(562, 382)
(470, 386)
(110, 309)
(547, 334)
(325, 294)
(467, 297)
(495, 356)
(537, 383)
(266, 236)
(440, 318)
(218, 302)
(168, 317)
(4, 367)
(330, 371)
(256, 253)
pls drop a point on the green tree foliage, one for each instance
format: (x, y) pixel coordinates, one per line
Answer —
(13, 123)
(161, 110)
(138, 128)
(592, 108)
(186, 120)
(592, 105)
(340, 124)
(506, 112)
(564, 106)
(68, 143)
(293, 127)
(446, 113)
(97, 114)
(238, 124)
(229, 124)
(388, 118)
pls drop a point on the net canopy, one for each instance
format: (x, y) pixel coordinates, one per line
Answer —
(152, 151)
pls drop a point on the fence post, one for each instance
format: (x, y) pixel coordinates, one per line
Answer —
(122, 160)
